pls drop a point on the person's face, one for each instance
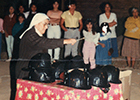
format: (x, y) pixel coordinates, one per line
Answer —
(33, 8)
(72, 7)
(55, 5)
(11, 10)
(21, 19)
(135, 13)
(89, 26)
(42, 26)
(21, 9)
(107, 8)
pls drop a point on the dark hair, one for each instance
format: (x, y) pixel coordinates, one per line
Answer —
(70, 2)
(13, 7)
(56, 1)
(102, 6)
(87, 22)
(33, 4)
(19, 6)
(21, 15)
(105, 24)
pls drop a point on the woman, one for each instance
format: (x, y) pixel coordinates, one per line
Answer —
(20, 9)
(131, 38)
(29, 15)
(33, 42)
(54, 30)
(9, 22)
(111, 19)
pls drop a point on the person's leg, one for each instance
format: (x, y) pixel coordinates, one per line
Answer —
(11, 44)
(8, 46)
(133, 62)
(114, 45)
(50, 35)
(0, 43)
(86, 53)
(129, 61)
(12, 80)
(76, 35)
(92, 57)
(57, 35)
(68, 47)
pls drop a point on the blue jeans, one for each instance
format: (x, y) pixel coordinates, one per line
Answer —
(0, 43)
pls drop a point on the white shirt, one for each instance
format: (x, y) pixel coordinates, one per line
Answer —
(103, 18)
(90, 37)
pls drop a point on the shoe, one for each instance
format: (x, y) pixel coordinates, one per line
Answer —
(8, 60)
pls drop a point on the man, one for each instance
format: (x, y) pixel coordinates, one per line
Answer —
(72, 28)
(131, 38)
(32, 42)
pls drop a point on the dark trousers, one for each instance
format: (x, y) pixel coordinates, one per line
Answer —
(13, 62)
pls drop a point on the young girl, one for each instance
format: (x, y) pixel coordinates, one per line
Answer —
(103, 55)
(91, 40)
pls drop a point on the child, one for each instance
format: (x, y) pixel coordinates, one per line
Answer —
(19, 25)
(91, 40)
(103, 55)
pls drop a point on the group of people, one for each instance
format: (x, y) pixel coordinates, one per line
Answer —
(99, 46)
(71, 23)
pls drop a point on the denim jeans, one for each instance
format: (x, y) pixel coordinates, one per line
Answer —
(10, 41)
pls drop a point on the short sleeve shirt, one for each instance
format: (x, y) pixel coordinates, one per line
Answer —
(71, 20)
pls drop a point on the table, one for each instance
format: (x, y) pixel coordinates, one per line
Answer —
(30, 90)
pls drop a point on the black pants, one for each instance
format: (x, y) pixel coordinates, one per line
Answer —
(12, 80)
(13, 62)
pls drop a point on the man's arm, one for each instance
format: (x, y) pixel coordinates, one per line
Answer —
(81, 25)
(62, 24)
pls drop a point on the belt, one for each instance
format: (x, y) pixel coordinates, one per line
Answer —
(72, 28)
(54, 24)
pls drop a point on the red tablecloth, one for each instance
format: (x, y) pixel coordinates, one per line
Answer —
(29, 90)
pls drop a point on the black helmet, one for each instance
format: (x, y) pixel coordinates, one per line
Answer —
(99, 78)
(40, 60)
(58, 68)
(77, 79)
(42, 75)
(112, 72)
